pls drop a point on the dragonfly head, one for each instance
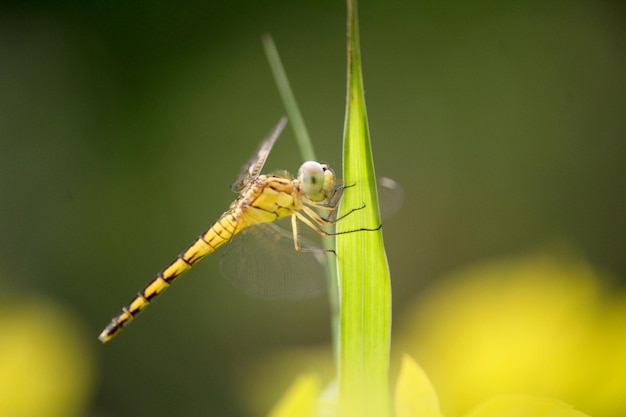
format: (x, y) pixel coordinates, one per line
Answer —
(317, 180)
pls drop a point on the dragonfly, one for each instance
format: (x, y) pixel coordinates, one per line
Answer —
(262, 200)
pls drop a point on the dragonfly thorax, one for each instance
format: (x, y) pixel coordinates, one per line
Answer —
(317, 181)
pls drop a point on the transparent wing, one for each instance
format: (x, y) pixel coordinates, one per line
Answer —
(252, 168)
(262, 261)
(390, 195)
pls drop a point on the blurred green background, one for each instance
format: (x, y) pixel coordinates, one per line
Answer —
(122, 125)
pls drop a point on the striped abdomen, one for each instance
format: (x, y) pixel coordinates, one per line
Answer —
(218, 234)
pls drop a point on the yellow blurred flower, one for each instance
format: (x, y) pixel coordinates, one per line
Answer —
(536, 326)
(415, 396)
(300, 399)
(524, 337)
(46, 369)
(262, 382)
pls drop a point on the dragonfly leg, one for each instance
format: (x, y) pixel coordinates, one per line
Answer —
(335, 197)
(296, 242)
(324, 221)
(331, 206)
(315, 222)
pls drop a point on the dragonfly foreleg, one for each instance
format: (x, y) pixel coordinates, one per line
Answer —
(331, 206)
(315, 222)
(324, 221)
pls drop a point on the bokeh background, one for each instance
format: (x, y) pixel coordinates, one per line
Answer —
(122, 125)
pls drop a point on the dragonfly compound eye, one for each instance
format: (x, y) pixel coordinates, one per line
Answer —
(312, 179)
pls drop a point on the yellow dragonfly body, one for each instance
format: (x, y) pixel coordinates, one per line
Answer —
(262, 200)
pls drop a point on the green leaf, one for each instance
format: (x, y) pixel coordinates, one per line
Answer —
(364, 282)
(289, 100)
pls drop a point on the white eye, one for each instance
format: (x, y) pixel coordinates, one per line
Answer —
(317, 181)
(311, 176)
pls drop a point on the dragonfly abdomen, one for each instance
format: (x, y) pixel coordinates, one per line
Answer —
(218, 234)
